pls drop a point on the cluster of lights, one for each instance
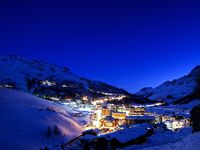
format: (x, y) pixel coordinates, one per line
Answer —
(49, 83)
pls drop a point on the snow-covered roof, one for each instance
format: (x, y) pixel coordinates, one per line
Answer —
(88, 137)
(109, 118)
(128, 134)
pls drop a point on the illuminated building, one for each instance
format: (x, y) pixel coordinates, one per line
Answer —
(105, 112)
(139, 119)
(108, 121)
(121, 109)
(137, 110)
(119, 115)
(85, 98)
(48, 83)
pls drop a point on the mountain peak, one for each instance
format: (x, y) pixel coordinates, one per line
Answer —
(195, 70)
(43, 78)
(35, 63)
(174, 90)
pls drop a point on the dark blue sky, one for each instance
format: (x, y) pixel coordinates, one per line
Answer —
(127, 43)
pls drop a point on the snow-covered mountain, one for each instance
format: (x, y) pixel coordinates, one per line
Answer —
(31, 123)
(49, 80)
(176, 89)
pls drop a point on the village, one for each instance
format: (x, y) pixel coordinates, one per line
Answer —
(109, 118)
(107, 125)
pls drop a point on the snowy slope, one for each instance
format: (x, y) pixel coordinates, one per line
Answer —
(26, 75)
(189, 143)
(28, 122)
(162, 138)
(17, 69)
(173, 90)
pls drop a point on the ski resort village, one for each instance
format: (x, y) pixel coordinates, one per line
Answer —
(111, 126)
(48, 107)
(99, 75)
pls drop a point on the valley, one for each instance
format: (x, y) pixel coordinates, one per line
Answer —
(102, 116)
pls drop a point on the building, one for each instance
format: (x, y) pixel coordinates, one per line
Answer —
(106, 112)
(85, 98)
(137, 111)
(97, 105)
(119, 117)
(120, 109)
(122, 138)
(139, 119)
(112, 107)
(48, 83)
(108, 121)
(175, 125)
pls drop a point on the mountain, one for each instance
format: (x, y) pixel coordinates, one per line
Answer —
(31, 123)
(183, 89)
(49, 80)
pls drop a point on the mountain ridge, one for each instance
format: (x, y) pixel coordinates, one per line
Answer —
(35, 77)
(176, 89)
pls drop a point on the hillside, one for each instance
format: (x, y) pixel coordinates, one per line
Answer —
(49, 80)
(175, 90)
(31, 123)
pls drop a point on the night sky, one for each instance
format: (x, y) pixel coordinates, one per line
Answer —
(127, 43)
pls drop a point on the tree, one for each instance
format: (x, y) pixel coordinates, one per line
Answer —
(56, 130)
(48, 132)
(195, 118)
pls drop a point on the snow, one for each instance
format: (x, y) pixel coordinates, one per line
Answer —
(180, 110)
(128, 134)
(22, 71)
(188, 143)
(17, 69)
(162, 138)
(172, 90)
(25, 120)
(177, 89)
(146, 92)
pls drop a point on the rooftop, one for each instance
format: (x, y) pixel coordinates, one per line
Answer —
(141, 117)
(128, 134)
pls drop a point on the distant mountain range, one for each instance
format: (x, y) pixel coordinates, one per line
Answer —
(49, 80)
(54, 82)
(182, 90)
